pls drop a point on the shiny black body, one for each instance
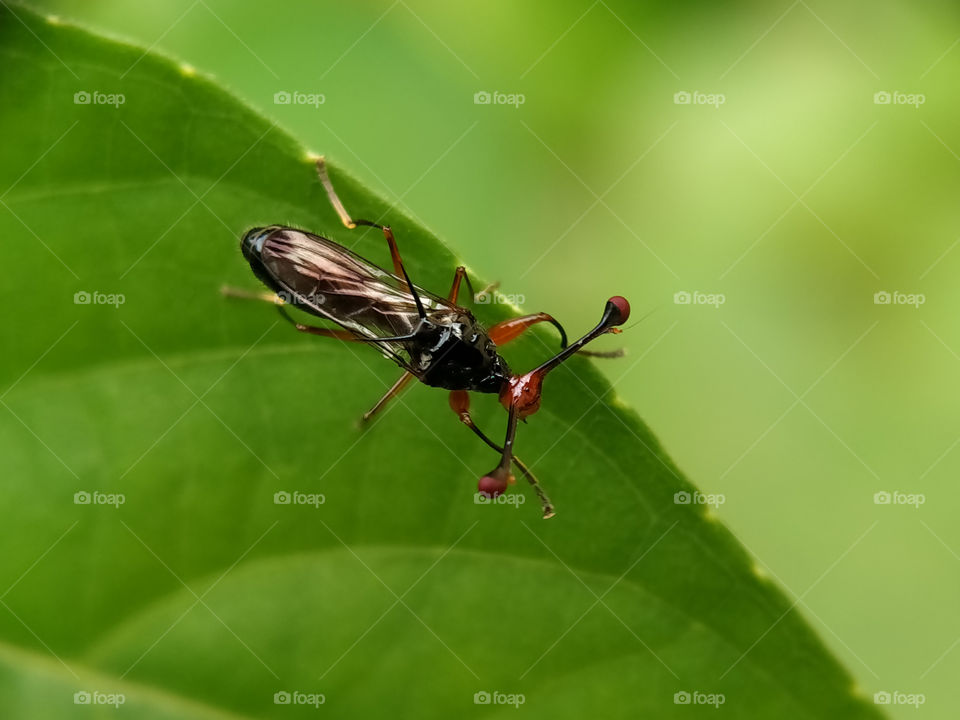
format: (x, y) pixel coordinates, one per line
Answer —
(446, 348)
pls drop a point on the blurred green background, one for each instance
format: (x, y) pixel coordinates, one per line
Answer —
(798, 197)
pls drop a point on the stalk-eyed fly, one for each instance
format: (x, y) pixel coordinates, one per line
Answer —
(433, 339)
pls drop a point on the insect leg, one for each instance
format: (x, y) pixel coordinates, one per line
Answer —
(504, 332)
(339, 333)
(507, 330)
(265, 295)
(492, 287)
(398, 386)
(460, 404)
(398, 269)
(459, 276)
(352, 224)
(332, 194)
(275, 299)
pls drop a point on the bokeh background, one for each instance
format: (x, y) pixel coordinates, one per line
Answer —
(786, 187)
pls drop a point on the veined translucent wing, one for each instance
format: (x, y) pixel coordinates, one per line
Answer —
(326, 279)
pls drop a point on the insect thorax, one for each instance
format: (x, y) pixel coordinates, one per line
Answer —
(457, 354)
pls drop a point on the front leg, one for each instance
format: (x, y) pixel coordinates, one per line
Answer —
(398, 269)
(507, 330)
(460, 404)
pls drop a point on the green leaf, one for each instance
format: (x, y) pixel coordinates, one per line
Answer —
(199, 597)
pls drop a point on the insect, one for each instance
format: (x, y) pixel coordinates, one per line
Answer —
(432, 338)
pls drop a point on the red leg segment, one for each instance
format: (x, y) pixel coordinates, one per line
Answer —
(460, 404)
(507, 330)
(393, 392)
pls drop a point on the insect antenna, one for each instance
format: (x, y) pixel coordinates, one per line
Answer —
(648, 314)
(619, 352)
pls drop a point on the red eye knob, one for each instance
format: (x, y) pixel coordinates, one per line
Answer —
(491, 486)
(622, 306)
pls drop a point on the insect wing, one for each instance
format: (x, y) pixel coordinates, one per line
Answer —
(328, 280)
